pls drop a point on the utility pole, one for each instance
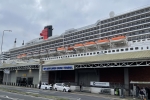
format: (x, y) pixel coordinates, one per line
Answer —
(40, 72)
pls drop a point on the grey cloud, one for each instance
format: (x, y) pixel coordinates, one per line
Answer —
(28, 17)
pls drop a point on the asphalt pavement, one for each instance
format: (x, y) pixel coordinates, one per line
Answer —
(13, 96)
(67, 95)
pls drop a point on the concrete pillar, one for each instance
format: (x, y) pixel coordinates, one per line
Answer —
(76, 77)
(40, 75)
(126, 79)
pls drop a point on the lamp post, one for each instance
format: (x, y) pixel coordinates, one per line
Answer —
(40, 72)
(2, 39)
(1, 51)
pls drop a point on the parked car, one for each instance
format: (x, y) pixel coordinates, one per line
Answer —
(61, 87)
(46, 86)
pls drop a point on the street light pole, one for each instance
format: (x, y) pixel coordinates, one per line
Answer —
(40, 72)
(2, 39)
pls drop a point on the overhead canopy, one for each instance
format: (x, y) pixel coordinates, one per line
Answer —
(19, 63)
(102, 58)
(139, 82)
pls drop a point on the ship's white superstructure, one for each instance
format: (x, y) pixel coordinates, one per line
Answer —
(128, 32)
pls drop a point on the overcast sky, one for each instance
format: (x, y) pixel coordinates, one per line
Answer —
(27, 18)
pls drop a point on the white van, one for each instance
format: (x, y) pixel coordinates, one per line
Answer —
(61, 87)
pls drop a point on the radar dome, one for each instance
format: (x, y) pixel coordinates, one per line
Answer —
(111, 14)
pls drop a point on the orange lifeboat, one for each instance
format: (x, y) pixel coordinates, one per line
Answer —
(23, 55)
(102, 41)
(118, 38)
(78, 45)
(89, 43)
(70, 48)
(19, 56)
(61, 49)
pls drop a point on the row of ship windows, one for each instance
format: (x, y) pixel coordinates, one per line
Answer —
(82, 35)
(138, 37)
(127, 29)
(83, 31)
(126, 15)
(126, 49)
(126, 25)
(82, 38)
(127, 34)
(126, 20)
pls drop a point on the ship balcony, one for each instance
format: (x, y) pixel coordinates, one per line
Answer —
(43, 52)
(52, 52)
(36, 54)
(29, 54)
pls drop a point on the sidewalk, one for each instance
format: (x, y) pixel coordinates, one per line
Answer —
(112, 97)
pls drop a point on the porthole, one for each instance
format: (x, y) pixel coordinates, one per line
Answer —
(113, 50)
(126, 49)
(131, 48)
(136, 48)
(122, 49)
(147, 47)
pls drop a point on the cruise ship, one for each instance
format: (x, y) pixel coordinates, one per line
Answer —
(128, 32)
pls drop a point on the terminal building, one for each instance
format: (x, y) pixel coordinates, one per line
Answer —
(114, 50)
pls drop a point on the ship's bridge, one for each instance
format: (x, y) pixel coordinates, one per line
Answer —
(118, 41)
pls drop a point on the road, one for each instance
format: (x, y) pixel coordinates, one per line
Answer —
(13, 96)
(67, 95)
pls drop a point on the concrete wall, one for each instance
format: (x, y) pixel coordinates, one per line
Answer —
(45, 75)
(87, 75)
(23, 73)
(139, 74)
(113, 75)
(91, 89)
